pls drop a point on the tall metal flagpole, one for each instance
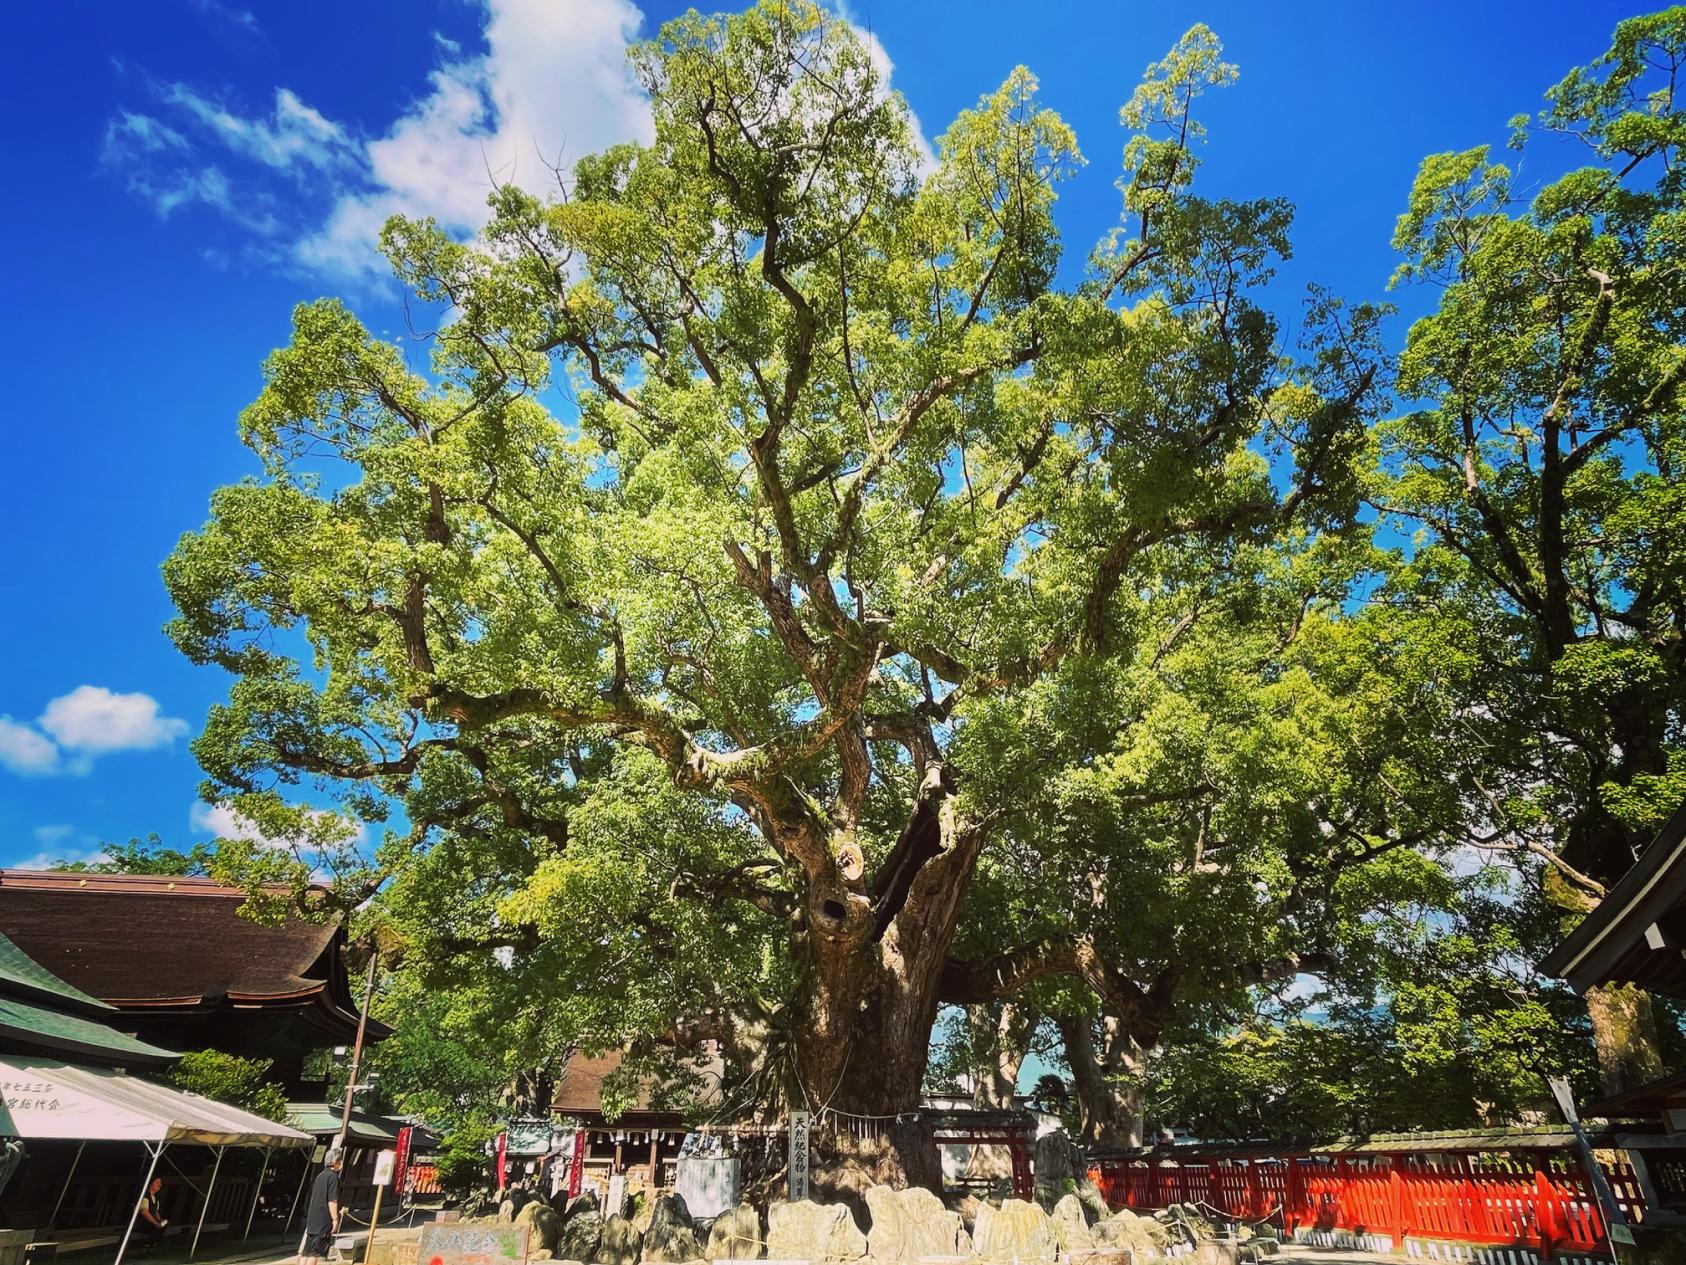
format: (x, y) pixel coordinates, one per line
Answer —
(357, 1050)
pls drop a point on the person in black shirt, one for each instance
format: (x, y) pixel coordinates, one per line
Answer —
(152, 1221)
(322, 1219)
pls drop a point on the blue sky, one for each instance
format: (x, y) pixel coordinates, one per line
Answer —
(184, 171)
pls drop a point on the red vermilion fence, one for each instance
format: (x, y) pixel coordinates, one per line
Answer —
(422, 1178)
(1539, 1200)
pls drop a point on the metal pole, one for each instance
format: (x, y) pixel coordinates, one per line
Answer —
(204, 1208)
(257, 1193)
(69, 1177)
(303, 1177)
(357, 1049)
(135, 1215)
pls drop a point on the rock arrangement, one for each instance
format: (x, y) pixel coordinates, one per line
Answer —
(1068, 1222)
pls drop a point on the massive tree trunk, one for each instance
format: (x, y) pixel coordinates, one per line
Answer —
(878, 953)
(1624, 1030)
(1106, 1064)
(1000, 1038)
(1624, 1024)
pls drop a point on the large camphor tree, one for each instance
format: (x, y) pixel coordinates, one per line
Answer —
(686, 614)
(1540, 474)
(1257, 796)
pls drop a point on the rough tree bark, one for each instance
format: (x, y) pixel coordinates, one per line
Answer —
(1000, 1041)
(1106, 1064)
(1624, 1030)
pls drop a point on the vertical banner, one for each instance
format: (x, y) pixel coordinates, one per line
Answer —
(576, 1167)
(503, 1160)
(402, 1163)
(799, 1155)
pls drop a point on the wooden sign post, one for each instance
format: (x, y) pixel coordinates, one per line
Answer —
(385, 1162)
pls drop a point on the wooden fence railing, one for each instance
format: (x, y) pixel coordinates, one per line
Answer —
(1541, 1201)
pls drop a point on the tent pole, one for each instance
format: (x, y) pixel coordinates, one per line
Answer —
(257, 1192)
(206, 1206)
(68, 1178)
(303, 1177)
(135, 1215)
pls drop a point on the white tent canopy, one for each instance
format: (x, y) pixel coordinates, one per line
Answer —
(43, 1098)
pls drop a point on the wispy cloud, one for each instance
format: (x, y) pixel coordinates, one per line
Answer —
(88, 722)
(243, 20)
(552, 86)
(547, 84)
(24, 751)
(63, 844)
(221, 821)
(294, 137)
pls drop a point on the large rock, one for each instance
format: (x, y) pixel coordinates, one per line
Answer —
(1016, 1231)
(1094, 1203)
(586, 1202)
(506, 1211)
(967, 1205)
(1058, 1165)
(1214, 1252)
(546, 1223)
(1142, 1235)
(1071, 1226)
(735, 1235)
(672, 1236)
(908, 1224)
(621, 1244)
(581, 1235)
(803, 1230)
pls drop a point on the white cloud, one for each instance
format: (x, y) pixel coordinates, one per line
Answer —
(552, 86)
(295, 136)
(95, 720)
(139, 132)
(549, 85)
(241, 19)
(885, 67)
(222, 822)
(24, 751)
(60, 843)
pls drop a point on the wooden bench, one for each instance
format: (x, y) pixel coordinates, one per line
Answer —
(91, 1237)
(50, 1249)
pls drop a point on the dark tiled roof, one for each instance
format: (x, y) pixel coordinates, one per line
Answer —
(24, 1025)
(22, 976)
(1637, 933)
(375, 1132)
(41, 1013)
(156, 944)
(579, 1089)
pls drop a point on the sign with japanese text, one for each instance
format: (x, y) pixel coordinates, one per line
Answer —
(799, 1154)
